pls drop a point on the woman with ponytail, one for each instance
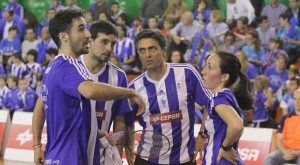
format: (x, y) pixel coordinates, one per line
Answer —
(231, 94)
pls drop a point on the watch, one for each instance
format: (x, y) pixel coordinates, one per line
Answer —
(202, 134)
(226, 148)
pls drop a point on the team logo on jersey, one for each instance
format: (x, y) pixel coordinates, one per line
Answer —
(100, 114)
(161, 92)
(166, 117)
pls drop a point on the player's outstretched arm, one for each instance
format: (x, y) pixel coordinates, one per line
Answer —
(104, 92)
(38, 121)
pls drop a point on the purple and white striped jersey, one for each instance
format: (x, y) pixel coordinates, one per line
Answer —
(124, 49)
(106, 111)
(32, 78)
(3, 93)
(67, 113)
(216, 128)
(18, 71)
(170, 109)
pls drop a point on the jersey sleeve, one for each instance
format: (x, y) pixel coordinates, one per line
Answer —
(122, 104)
(281, 124)
(71, 75)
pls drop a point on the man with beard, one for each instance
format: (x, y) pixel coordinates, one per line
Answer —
(104, 37)
(66, 90)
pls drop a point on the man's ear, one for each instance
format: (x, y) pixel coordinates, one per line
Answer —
(63, 37)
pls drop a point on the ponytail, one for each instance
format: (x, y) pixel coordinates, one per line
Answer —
(243, 93)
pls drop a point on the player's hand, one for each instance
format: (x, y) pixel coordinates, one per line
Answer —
(137, 99)
(200, 142)
(39, 156)
(229, 155)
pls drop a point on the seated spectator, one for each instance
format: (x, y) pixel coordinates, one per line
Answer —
(3, 89)
(89, 18)
(71, 5)
(124, 49)
(291, 38)
(242, 27)
(202, 13)
(168, 25)
(275, 48)
(103, 16)
(49, 15)
(33, 68)
(175, 9)
(51, 53)
(263, 101)
(288, 137)
(117, 12)
(176, 57)
(238, 8)
(294, 9)
(130, 32)
(216, 28)
(100, 6)
(30, 42)
(254, 51)
(11, 20)
(152, 8)
(230, 43)
(265, 32)
(44, 43)
(246, 67)
(153, 23)
(183, 33)
(10, 102)
(114, 60)
(287, 104)
(56, 4)
(272, 11)
(277, 75)
(38, 90)
(15, 7)
(26, 96)
(30, 20)
(9, 46)
(18, 68)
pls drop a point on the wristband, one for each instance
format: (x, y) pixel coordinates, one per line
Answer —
(202, 134)
(226, 148)
(37, 146)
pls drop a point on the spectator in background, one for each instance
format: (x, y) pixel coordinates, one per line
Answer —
(51, 53)
(167, 26)
(246, 67)
(18, 68)
(121, 20)
(33, 68)
(9, 46)
(294, 9)
(100, 6)
(202, 13)
(242, 27)
(292, 42)
(287, 103)
(30, 20)
(11, 20)
(3, 89)
(44, 43)
(49, 15)
(175, 10)
(14, 6)
(89, 18)
(30, 42)
(26, 96)
(275, 48)
(56, 4)
(272, 11)
(117, 12)
(124, 49)
(288, 137)
(103, 16)
(230, 43)
(183, 33)
(10, 102)
(263, 101)
(153, 23)
(265, 32)
(71, 5)
(176, 57)
(277, 75)
(152, 8)
(238, 8)
(216, 28)
(254, 50)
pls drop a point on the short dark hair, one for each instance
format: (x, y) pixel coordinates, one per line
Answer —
(123, 28)
(262, 18)
(13, 28)
(10, 12)
(52, 51)
(297, 79)
(244, 20)
(14, 79)
(230, 33)
(115, 3)
(32, 52)
(18, 55)
(286, 15)
(153, 34)
(101, 26)
(62, 22)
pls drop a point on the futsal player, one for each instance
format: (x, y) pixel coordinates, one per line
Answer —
(231, 93)
(66, 91)
(168, 89)
(104, 37)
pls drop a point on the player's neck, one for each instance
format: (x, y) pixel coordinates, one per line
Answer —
(93, 65)
(157, 73)
(68, 52)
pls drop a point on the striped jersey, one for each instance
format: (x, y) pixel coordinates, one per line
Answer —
(124, 49)
(18, 70)
(106, 111)
(216, 128)
(32, 78)
(170, 110)
(3, 93)
(67, 112)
